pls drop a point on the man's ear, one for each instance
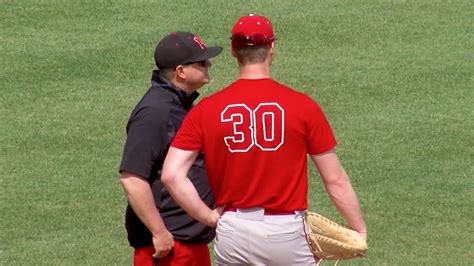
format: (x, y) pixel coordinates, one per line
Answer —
(233, 53)
(272, 48)
(180, 72)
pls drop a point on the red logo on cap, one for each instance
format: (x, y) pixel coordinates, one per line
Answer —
(199, 42)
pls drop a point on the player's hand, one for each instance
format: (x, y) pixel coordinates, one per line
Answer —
(363, 234)
(163, 243)
(216, 215)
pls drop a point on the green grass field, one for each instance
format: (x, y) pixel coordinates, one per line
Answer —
(395, 79)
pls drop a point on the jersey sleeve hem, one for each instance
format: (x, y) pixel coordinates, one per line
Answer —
(322, 149)
(184, 147)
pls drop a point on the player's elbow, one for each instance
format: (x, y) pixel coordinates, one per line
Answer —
(176, 166)
(167, 176)
(166, 179)
(340, 183)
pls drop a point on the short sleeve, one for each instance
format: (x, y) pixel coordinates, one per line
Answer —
(319, 137)
(146, 142)
(190, 135)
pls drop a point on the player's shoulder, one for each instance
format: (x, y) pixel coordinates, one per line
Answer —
(217, 96)
(296, 95)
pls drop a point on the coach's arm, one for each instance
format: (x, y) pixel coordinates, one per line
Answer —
(141, 200)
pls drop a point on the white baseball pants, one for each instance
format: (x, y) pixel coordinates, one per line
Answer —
(248, 237)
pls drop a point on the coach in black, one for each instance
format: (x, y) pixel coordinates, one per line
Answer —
(155, 223)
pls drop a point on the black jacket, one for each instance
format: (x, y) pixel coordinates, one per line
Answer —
(150, 129)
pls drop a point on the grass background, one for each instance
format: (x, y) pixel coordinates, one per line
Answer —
(395, 79)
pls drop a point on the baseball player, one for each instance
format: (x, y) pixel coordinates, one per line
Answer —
(155, 223)
(256, 134)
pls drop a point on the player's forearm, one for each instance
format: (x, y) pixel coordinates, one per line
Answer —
(345, 200)
(339, 188)
(141, 200)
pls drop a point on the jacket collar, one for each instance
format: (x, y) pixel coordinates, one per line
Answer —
(186, 100)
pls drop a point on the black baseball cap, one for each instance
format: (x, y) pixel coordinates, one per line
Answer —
(179, 48)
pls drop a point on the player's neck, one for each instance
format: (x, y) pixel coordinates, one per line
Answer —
(254, 71)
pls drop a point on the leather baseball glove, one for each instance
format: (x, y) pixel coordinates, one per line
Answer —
(332, 241)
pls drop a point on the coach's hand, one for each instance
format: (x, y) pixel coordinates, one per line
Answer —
(163, 243)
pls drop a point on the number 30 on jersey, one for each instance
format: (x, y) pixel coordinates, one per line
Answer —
(263, 127)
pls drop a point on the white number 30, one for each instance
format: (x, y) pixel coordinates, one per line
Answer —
(263, 127)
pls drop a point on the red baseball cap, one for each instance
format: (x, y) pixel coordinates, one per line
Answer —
(252, 30)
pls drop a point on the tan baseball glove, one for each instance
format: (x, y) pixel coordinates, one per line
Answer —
(332, 241)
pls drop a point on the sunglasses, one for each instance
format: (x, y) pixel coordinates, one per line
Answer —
(202, 63)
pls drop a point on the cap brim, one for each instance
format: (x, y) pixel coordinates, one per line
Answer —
(210, 52)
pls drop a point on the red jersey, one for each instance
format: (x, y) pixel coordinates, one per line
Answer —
(255, 136)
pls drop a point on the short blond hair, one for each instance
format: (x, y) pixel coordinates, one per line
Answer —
(251, 54)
